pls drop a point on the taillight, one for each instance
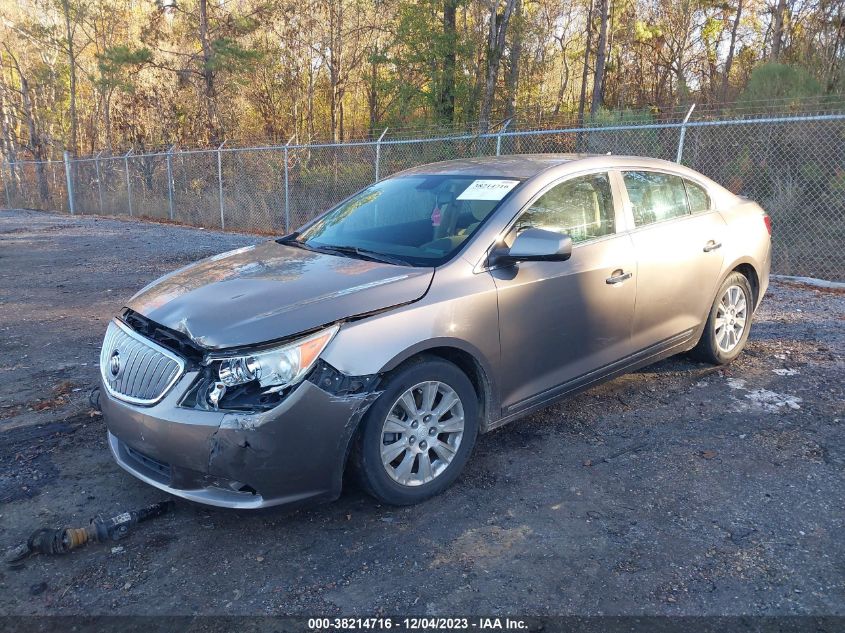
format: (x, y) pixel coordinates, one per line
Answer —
(768, 222)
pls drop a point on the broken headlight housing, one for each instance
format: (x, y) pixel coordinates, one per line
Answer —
(271, 370)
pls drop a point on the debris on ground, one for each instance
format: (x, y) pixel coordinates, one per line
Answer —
(60, 396)
(63, 540)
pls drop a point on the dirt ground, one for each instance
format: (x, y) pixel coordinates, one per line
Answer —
(681, 489)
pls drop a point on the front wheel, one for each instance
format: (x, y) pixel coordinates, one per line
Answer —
(728, 323)
(419, 434)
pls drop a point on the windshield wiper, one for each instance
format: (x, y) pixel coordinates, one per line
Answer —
(297, 244)
(346, 251)
(289, 239)
(361, 253)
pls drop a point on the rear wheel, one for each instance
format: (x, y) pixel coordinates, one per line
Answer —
(419, 434)
(728, 323)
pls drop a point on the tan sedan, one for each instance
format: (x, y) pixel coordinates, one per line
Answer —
(432, 306)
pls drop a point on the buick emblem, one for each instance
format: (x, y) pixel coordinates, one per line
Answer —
(114, 363)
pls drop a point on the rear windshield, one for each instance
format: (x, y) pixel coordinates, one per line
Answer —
(418, 220)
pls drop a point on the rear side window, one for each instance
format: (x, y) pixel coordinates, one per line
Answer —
(581, 208)
(655, 197)
(698, 199)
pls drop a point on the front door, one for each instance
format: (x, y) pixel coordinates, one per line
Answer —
(559, 321)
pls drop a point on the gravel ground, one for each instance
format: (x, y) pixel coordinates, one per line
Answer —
(681, 489)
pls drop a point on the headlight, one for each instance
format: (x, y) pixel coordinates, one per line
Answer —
(277, 367)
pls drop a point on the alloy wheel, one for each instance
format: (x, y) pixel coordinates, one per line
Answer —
(421, 433)
(731, 318)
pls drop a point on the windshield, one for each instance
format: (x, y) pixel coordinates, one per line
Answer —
(416, 220)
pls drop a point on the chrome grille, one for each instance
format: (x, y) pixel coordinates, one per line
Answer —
(136, 369)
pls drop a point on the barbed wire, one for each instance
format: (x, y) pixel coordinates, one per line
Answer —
(522, 119)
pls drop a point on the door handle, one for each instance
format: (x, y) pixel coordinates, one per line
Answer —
(712, 245)
(618, 277)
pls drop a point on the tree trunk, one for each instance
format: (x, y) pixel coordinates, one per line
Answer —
(495, 48)
(512, 78)
(372, 90)
(8, 145)
(107, 117)
(335, 61)
(309, 106)
(777, 30)
(564, 78)
(598, 77)
(340, 129)
(582, 100)
(35, 142)
(835, 52)
(71, 58)
(446, 98)
(207, 73)
(731, 48)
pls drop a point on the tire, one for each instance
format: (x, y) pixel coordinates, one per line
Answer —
(720, 342)
(417, 443)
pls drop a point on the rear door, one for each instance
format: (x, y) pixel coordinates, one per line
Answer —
(677, 238)
(558, 321)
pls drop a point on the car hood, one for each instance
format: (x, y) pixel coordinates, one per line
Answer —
(273, 291)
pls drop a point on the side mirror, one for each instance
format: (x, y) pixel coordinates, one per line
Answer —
(536, 245)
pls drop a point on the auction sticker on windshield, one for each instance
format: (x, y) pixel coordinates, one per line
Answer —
(487, 189)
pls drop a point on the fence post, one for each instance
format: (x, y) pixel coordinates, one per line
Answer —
(69, 179)
(169, 157)
(128, 183)
(12, 186)
(683, 134)
(378, 152)
(99, 180)
(6, 188)
(220, 182)
(20, 191)
(287, 191)
(499, 137)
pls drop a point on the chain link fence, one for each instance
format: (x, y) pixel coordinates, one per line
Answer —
(793, 166)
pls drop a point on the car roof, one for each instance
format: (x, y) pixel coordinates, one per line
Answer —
(510, 165)
(524, 166)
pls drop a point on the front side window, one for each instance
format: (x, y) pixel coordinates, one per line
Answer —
(655, 196)
(699, 201)
(581, 208)
(417, 220)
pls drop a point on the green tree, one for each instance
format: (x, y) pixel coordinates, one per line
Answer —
(780, 85)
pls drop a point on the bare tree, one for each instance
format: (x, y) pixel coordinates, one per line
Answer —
(498, 27)
(446, 98)
(601, 53)
(726, 77)
(36, 145)
(71, 59)
(342, 51)
(207, 73)
(563, 43)
(8, 142)
(512, 78)
(589, 37)
(777, 30)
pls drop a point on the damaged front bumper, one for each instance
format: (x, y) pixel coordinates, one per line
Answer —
(292, 453)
